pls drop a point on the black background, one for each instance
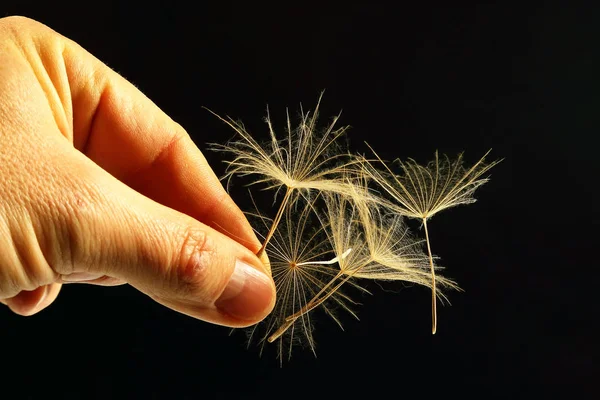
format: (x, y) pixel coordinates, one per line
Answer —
(410, 79)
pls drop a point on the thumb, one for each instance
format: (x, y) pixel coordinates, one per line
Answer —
(173, 258)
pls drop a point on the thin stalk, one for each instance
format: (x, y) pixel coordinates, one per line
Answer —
(286, 325)
(289, 321)
(313, 303)
(314, 299)
(433, 289)
(282, 206)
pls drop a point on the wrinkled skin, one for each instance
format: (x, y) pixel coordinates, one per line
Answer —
(98, 185)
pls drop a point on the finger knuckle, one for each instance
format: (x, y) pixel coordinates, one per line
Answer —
(197, 273)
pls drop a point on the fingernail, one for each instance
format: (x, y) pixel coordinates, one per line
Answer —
(43, 296)
(248, 293)
(80, 277)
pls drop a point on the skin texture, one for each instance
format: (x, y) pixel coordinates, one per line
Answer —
(98, 185)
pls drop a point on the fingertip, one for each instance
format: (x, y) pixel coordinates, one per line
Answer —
(30, 302)
(249, 295)
(235, 296)
(26, 302)
(52, 292)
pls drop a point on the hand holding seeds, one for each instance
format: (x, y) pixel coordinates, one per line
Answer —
(98, 185)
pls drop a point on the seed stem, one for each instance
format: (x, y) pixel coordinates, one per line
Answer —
(278, 216)
(316, 300)
(433, 289)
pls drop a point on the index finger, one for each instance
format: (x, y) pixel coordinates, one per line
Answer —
(130, 137)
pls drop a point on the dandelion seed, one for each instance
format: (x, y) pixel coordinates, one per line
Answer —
(395, 253)
(421, 191)
(351, 255)
(296, 253)
(307, 159)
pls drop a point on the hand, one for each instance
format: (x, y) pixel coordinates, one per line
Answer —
(98, 185)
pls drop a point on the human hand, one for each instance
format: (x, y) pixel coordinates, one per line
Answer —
(98, 185)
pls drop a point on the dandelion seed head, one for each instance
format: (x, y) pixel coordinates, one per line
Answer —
(421, 191)
(307, 157)
(295, 253)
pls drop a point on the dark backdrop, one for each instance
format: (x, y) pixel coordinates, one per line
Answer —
(410, 80)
